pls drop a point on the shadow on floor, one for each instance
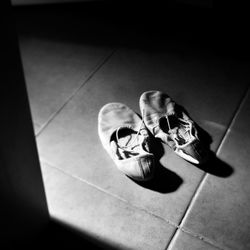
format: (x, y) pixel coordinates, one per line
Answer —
(164, 181)
(59, 236)
(216, 166)
(213, 165)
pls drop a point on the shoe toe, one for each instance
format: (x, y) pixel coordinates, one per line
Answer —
(194, 152)
(140, 169)
(147, 167)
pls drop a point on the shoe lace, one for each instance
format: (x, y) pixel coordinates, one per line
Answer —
(130, 144)
(135, 141)
(182, 134)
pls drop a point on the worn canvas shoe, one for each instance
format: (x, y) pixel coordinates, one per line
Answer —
(167, 121)
(126, 139)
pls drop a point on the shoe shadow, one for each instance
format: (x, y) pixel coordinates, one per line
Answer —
(213, 165)
(164, 180)
(216, 166)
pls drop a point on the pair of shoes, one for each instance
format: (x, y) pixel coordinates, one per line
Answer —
(128, 139)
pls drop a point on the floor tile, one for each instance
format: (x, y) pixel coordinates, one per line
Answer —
(221, 209)
(71, 142)
(54, 70)
(186, 241)
(101, 215)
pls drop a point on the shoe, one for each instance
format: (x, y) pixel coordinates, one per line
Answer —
(167, 121)
(126, 139)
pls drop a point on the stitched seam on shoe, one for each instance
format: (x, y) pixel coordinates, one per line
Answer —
(141, 168)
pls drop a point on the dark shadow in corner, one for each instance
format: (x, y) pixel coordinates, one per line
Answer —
(107, 24)
(213, 165)
(164, 181)
(57, 235)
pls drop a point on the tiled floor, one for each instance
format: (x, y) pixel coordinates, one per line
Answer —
(184, 207)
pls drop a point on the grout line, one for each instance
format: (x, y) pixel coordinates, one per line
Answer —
(35, 123)
(205, 175)
(89, 76)
(189, 232)
(202, 238)
(199, 237)
(110, 194)
(36, 126)
(172, 239)
(236, 113)
(180, 226)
